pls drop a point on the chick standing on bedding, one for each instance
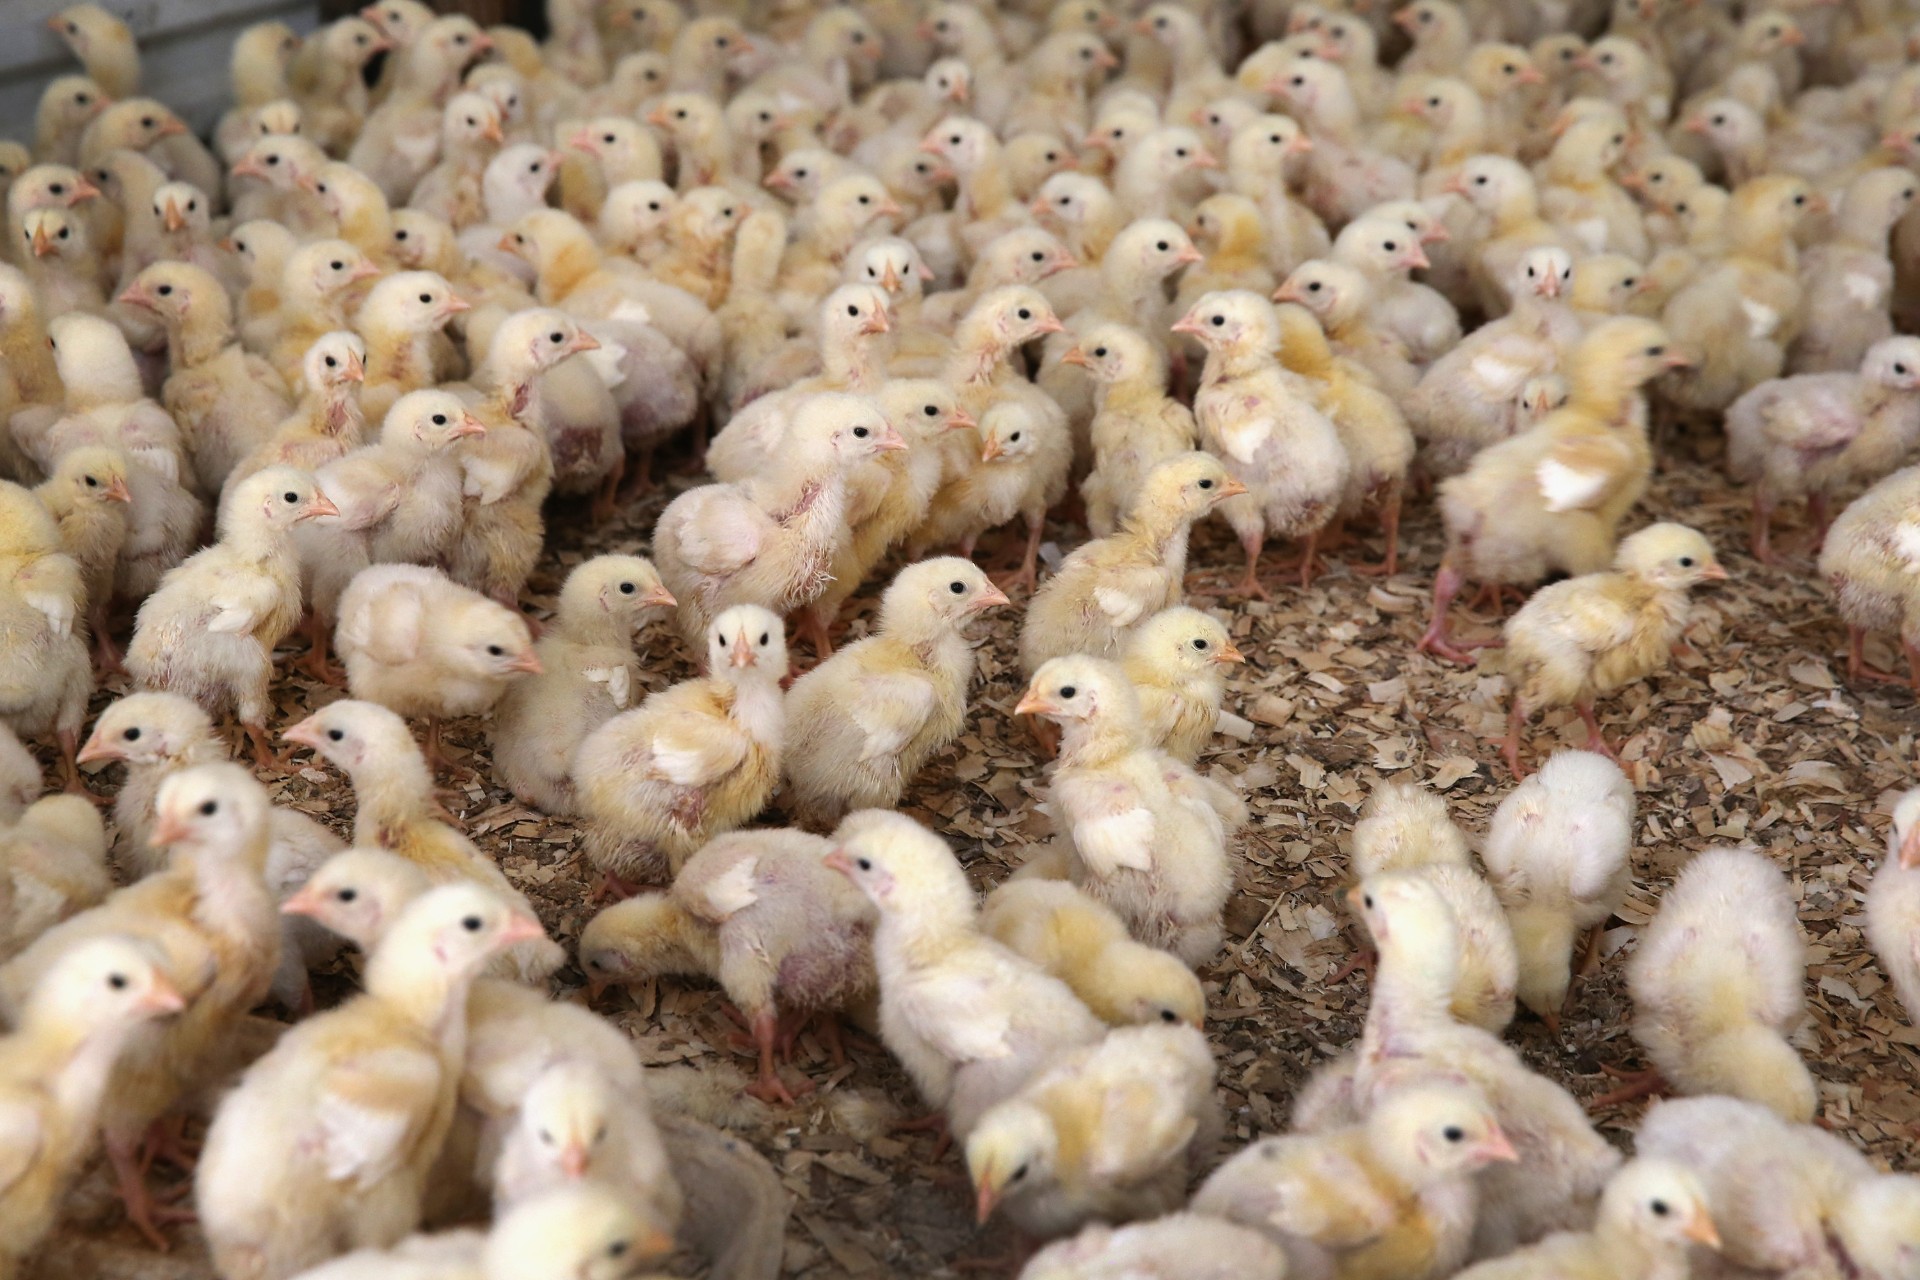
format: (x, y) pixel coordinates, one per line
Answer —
(1390, 1198)
(873, 713)
(588, 674)
(88, 498)
(1136, 424)
(760, 913)
(209, 630)
(326, 1143)
(54, 1071)
(45, 680)
(970, 1021)
(1558, 853)
(1583, 637)
(1177, 661)
(1871, 563)
(1107, 586)
(1893, 905)
(1146, 834)
(691, 762)
(1718, 984)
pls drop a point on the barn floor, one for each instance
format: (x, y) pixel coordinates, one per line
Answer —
(1753, 737)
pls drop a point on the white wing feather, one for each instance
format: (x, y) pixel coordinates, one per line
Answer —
(1567, 489)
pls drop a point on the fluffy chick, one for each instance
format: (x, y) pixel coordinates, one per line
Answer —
(1177, 660)
(1180, 1246)
(55, 862)
(1893, 903)
(588, 674)
(758, 912)
(690, 762)
(1576, 640)
(1651, 1214)
(87, 496)
(1136, 424)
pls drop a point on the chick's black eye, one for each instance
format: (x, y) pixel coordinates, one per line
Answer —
(494, 650)
(1686, 562)
(1218, 321)
(337, 266)
(1660, 1208)
(399, 235)
(132, 735)
(1656, 352)
(852, 310)
(1067, 691)
(865, 864)
(765, 638)
(958, 588)
(1201, 645)
(1025, 314)
(209, 808)
(626, 588)
(1206, 484)
(331, 362)
(347, 895)
(1018, 1174)
(291, 497)
(336, 735)
(439, 419)
(617, 1249)
(1900, 369)
(1367, 902)
(859, 433)
(58, 188)
(1163, 246)
(473, 924)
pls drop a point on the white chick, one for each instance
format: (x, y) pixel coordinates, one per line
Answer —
(1893, 905)
(1180, 1246)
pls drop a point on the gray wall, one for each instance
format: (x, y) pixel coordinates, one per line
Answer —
(184, 46)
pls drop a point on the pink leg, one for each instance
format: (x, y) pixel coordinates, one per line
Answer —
(1516, 720)
(1028, 575)
(1596, 741)
(1249, 584)
(1633, 1085)
(1762, 533)
(1857, 668)
(769, 1087)
(1390, 526)
(131, 1179)
(1437, 640)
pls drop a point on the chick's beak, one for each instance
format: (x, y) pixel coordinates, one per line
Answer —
(318, 505)
(838, 861)
(491, 132)
(526, 661)
(134, 295)
(169, 127)
(1497, 1148)
(1701, 1230)
(162, 998)
(42, 243)
(1034, 703)
(1231, 489)
(960, 419)
(248, 167)
(1714, 573)
(890, 279)
(1050, 325)
(363, 271)
(573, 1161)
(989, 598)
(1529, 75)
(1298, 145)
(582, 341)
(1288, 292)
(1229, 655)
(173, 219)
(1415, 257)
(521, 928)
(985, 1203)
(742, 652)
(453, 306)
(82, 190)
(356, 368)
(304, 734)
(991, 450)
(1189, 325)
(890, 441)
(1909, 845)
(469, 426)
(170, 828)
(98, 750)
(583, 140)
(1188, 255)
(778, 180)
(507, 244)
(659, 598)
(304, 903)
(116, 491)
(1075, 355)
(876, 323)
(1676, 360)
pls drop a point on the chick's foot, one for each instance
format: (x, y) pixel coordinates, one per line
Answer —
(1633, 1084)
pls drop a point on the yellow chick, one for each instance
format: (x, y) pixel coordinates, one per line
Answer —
(54, 861)
(87, 496)
(970, 1021)
(1177, 660)
(759, 913)
(1105, 1132)
(1148, 835)
(1718, 984)
(399, 322)
(1893, 903)
(103, 43)
(20, 780)
(54, 1071)
(1136, 424)
(1868, 560)
(1083, 943)
(326, 1143)
(420, 644)
(1192, 1246)
(1553, 498)
(210, 921)
(45, 680)
(1021, 471)
(692, 761)
(874, 712)
(588, 674)
(1576, 640)
(1651, 1215)
(316, 295)
(209, 630)
(1787, 1198)
(1558, 853)
(1108, 586)
(1405, 830)
(1392, 1198)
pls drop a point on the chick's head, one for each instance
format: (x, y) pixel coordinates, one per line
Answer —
(635, 212)
(889, 263)
(1547, 272)
(352, 42)
(585, 1231)
(1146, 985)
(1186, 640)
(136, 124)
(1606, 282)
(848, 429)
(52, 233)
(1079, 688)
(1151, 249)
(1264, 144)
(275, 498)
(1118, 353)
(469, 120)
(279, 117)
(422, 241)
(357, 894)
(1903, 837)
(533, 341)
(335, 359)
(1332, 291)
(326, 268)
(94, 475)
(452, 930)
(521, 172)
(67, 103)
(1184, 486)
(263, 247)
(947, 589)
(568, 1111)
(1670, 556)
(47, 186)
(1232, 320)
(627, 588)
(148, 728)
(632, 941)
(412, 302)
(855, 311)
(1017, 315)
(174, 291)
(747, 640)
(1015, 1145)
(354, 735)
(211, 808)
(433, 419)
(488, 640)
(902, 867)
(1625, 349)
(1879, 1222)
(1893, 363)
(283, 163)
(1022, 256)
(1427, 1134)
(920, 409)
(181, 206)
(1659, 1202)
(1407, 917)
(104, 983)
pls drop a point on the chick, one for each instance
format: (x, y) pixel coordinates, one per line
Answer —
(588, 674)
(210, 920)
(1393, 1196)
(399, 321)
(1893, 902)
(692, 761)
(1558, 855)
(1104, 1133)
(45, 679)
(1576, 640)
(1553, 498)
(1021, 470)
(399, 498)
(1177, 661)
(1180, 1246)
(349, 1110)
(20, 780)
(1136, 424)
(1650, 1216)
(1108, 586)
(1148, 835)
(210, 629)
(1786, 1198)
(1718, 985)
(758, 912)
(1080, 941)
(1261, 420)
(55, 862)
(422, 645)
(872, 714)
(87, 496)
(969, 1020)
(54, 1071)
(766, 541)
(1868, 561)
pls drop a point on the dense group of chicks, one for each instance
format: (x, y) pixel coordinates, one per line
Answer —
(920, 271)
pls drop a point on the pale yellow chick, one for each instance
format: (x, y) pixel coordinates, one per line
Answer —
(1651, 1215)
(1178, 661)
(1180, 1246)
(1893, 904)
(1136, 424)
(88, 498)
(1083, 943)
(54, 860)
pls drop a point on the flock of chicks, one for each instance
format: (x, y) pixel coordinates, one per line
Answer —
(924, 267)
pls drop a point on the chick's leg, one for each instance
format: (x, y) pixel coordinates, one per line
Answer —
(1438, 640)
(606, 500)
(1857, 668)
(1596, 741)
(1389, 526)
(1633, 1084)
(130, 1177)
(106, 654)
(1028, 575)
(1249, 585)
(1516, 721)
(1822, 517)
(770, 1087)
(316, 663)
(1761, 535)
(638, 479)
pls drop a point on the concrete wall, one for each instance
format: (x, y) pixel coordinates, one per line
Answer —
(184, 46)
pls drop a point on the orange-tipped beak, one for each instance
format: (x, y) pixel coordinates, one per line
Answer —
(304, 903)
(1585, 61)
(1288, 292)
(932, 147)
(82, 190)
(1436, 233)
(318, 505)
(170, 828)
(304, 734)
(984, 1204)
(888, 208)
(876, 323)
(1405, 20)
(170, 126)
(1229, 655)
(1065, 262)
(1050, 325)
(573, 1161)
(355, 370)
(1231, 489)
(1674, 360)
(838, 861)
(582, 341)
(1298, 145)
(1498, 1148)
(1529, 75)
(1817, 203)
(116, 491)
(659, 118)
(364, 271)
(42, 242)
(583, 140)
(1416, 107)
(992, 449)
(56, 25)
(162, 998)
(1205, 160)
(1034, 703)
(1415, 257)
(960, 419)
(134, 295)
(507, 244)
(1188, 256)
(452, 307)
(174, 218)
(989, 598)
(527, 662)
(659, 598)
(890, 441)
(469, 426)
(1189, 325)
(890, 279)
(521, 929)
(1695, 125)
(1701, 1230)
(98, 750)
(778, 180)
(742, 655)
(1793, 36)
(248, 167)
(1075, 355)
(1455, 185)
(1141, 27)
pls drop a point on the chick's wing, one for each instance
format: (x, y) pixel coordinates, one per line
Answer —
(370, 1109)
(1112, 827)
(719, 532)
(391, 628)
(691, 750)
(362, 487)
(238, 603)
(890, 709)
(1580, 473)
(21, 1136)
(961, 1011)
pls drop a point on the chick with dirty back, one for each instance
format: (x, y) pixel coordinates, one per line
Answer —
(876, 711)
(758, 912)
(588, 674)
(692, 761)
